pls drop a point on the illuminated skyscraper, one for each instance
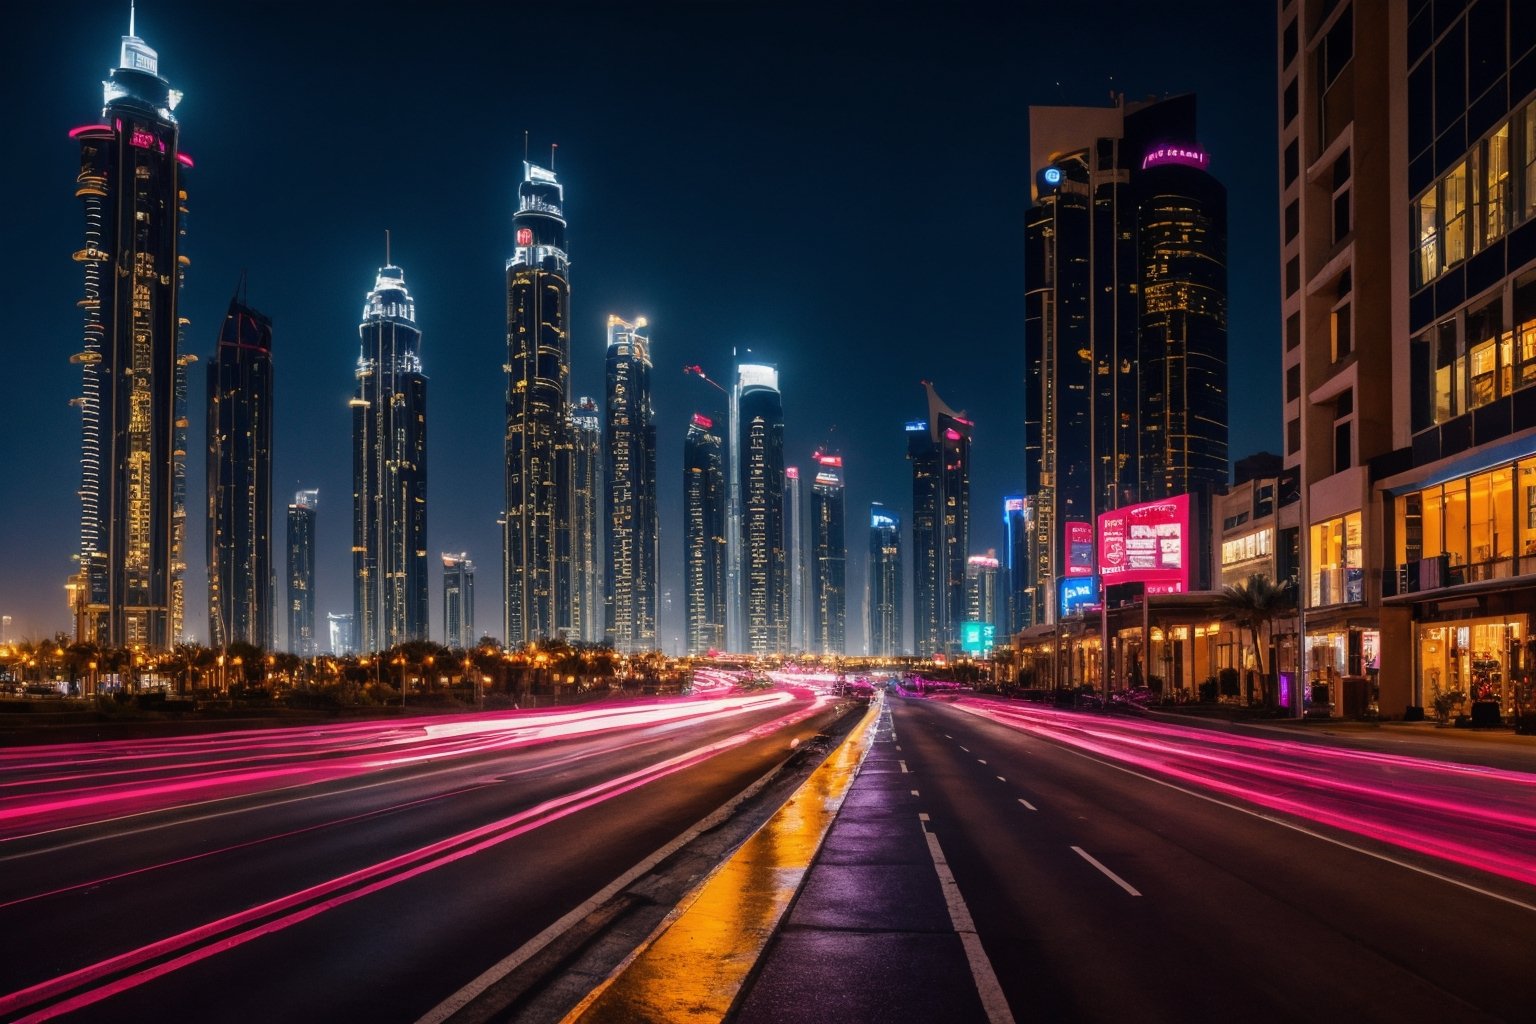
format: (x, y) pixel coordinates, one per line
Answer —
(1018, 540)
(940, 451)
(578, 531)
(884, 598)
(458, 601)
(340, 628)
(631, 447)
(794, 548)
(302, 639)
(389, 471)
(981, 594)
(127, 590)
(760, 473)
(538, 369)
(241, 580)
(704, 536)
(829, 554)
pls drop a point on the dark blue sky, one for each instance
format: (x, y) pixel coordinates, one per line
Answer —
(842, 189)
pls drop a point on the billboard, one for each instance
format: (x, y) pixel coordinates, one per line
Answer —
(1079, 549)
(1077, 594)
(976, 637)
(1148, 543)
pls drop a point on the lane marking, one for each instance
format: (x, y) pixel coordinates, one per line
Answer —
(903, 766)
(898, 746)
(948, 736)
(1001, 779)
(914, 792)
(1027, 805)
(980, 761)
(992, 999)
(966, 749)
(1122, 883)
(921, 816)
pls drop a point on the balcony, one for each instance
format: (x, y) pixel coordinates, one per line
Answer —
(1441, 573)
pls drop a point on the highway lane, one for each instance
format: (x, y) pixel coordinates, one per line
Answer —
(1106, 890)
(370, 892)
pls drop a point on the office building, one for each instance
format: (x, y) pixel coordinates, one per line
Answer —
(302, 639)
(538, 370)
(794, 553)
(704, 495)
(127, 590)
(579, 591)
(1125, 318)
(389, 471)
(981, 592)
(884, 598)
(1018, 566)
(759, 467)
(459, 601)
(630, 444)
(241, 578)
(339, 627)
(939, 449)
(829, 557)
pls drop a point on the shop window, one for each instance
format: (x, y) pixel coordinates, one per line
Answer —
(1338, 574)
(1457, 518)
(1408, 512)
(1341, 332)
(1525, 505)
(1432, 513)
(1426, 231)
(1453, 199)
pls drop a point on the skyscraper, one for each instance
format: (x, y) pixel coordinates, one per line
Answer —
(302, 639)
(127, 590)
(829, 551)
(339, 626)
(632, 527)
(538, 369)
(704, 535)
(940, 451)
(1018, 590)
(981, 593)
(885, 583)
(241, 580)
(1125, 318)
(458, 601)
(760, 472)
(794, 551)
(579, 591)
(389, 471)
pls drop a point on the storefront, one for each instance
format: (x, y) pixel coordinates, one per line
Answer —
(1476, 661)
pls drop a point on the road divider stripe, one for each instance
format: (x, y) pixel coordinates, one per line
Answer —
(1027, 805)
(1122, 883)
(992, 999)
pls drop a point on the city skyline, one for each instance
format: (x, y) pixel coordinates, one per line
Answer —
(465, 444)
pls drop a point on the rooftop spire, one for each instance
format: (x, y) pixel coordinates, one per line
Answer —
(131, 5)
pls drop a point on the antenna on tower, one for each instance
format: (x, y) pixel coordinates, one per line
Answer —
(387, 262)
(525, 145)
(131, 5)
(552, 147)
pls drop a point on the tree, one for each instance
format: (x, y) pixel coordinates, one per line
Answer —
(1255, 604)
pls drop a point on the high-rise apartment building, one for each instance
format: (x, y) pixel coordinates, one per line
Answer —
(339, 626)
(241, 578)
(939, 449)
(981, 591)
(630, 443)
(459, 601)
(389, 471)
(127, 590)
(884, 596)
(704, 495)
(794, 553)
(1018, 539)
(759, 469)
(829, 556)
(579, 591)
(1125, 318)
(302, 639)
(538, 369)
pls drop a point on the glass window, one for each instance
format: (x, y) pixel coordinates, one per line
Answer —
(1408, 512)
(1525, 496)
(1475, 200)
(1338, 574)
(1527, 119)
(1524, 334)
(1292, 331)
(1496, 185)
(1338, 46)
(1293, 383)
(1426, 231)
(1293, 219)
(1482, 344)
(1292, 161)
(1491, 516)
(1450, 374)
(1456, 518)
(1453, 199)
(1421, 380)
(1432, 527)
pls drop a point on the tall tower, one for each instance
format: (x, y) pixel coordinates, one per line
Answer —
(302, 639)
(764, 576)
(241, 580)
(981, 594)
(389, 471)
(538, 370)
(1018, 538)
(458, 601)
(704, 536)
(579, 589)
(829, 553)
(794, 553)
(127, 590)
(940, 451)
(885, 582)
(632, 527)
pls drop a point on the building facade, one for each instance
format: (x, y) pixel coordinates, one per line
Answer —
(982, 597)
(760, 471)
(939, 449)
(579, 591)
(794, 552)
(884, 595)
(704, 496)
(242, 582)
(829, 557)
(538, 372)
(339, 627)
(389, 471)
(459, 601)
(1018, 565)
(127, 590)
(630, 443)
(302, 638)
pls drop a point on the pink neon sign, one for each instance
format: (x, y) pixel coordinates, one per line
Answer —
(1188, 156)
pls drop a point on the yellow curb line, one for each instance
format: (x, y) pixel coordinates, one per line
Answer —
(695, 962)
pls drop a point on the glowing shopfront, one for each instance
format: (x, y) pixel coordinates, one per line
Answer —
(1474, 661)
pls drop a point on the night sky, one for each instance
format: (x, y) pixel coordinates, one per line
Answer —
(842, 192)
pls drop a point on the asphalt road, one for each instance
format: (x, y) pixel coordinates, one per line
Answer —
(1116, 873)
(355, 873)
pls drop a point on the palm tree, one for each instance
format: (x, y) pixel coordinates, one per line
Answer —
(1255, 604)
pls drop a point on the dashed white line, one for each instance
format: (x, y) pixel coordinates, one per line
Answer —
(1001, 779)
(992, 998)
(922, 816)
(903, 766)
(1027, 805)
(914, 792)
(966, 749)
(1122, 883)
(898, 746)
(948, 736)
(980, 761)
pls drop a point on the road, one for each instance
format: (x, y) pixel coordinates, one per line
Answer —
(1120, 870)
(350, 872)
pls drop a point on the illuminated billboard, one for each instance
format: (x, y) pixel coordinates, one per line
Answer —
(976, 637)
(1147, 543)
(1077, 594)
(1079, 549)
